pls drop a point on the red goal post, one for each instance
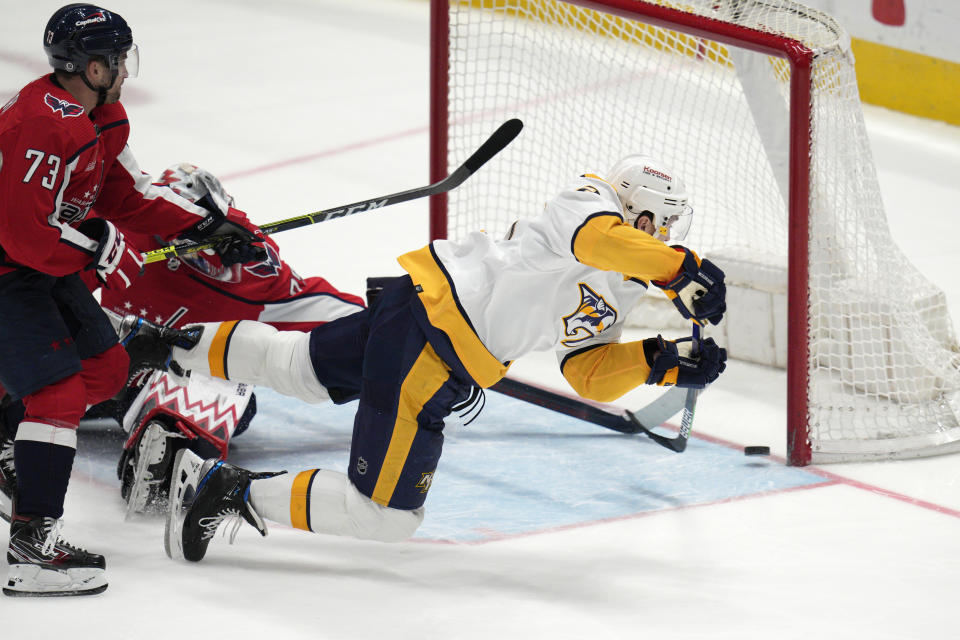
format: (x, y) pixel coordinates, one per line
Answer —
(682, 80)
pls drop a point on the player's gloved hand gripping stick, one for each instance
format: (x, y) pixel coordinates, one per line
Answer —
(494, 145)
(642, 420)
(679, 442)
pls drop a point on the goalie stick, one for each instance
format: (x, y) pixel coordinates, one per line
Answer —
(503, 136)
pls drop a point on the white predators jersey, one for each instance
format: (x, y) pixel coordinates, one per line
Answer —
(564, 280)
(530, 293)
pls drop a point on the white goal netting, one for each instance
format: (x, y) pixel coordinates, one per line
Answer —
(881, 357)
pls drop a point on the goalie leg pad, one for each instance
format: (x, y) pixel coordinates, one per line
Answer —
(258, 354)
(325, 501)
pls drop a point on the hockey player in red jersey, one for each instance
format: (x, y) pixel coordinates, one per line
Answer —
(564, 280)
(63, 140)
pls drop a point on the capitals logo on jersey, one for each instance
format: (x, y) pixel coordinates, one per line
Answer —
(590, 319)
(269, 268)
(66, 109)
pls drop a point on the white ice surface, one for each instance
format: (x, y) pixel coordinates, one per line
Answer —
(305, 104)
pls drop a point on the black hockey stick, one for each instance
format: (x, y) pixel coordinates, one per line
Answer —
(640, 421)
(678, 443)
(494, 145)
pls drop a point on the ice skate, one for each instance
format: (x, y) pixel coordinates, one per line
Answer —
(203, 494)
(146, 468)
(44, 564)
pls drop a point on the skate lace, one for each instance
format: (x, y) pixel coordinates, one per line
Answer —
(6, 454)
(210, 524)
(54, 531)
(53, 535)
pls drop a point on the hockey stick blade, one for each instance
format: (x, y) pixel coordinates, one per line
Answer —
(503, 136)
(677, 443)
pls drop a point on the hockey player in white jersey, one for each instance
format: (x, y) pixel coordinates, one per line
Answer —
(563, 280)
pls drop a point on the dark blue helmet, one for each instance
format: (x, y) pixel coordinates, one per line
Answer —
(78, 32)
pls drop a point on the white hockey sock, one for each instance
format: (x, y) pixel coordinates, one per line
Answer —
(327, 502)
(256, 353)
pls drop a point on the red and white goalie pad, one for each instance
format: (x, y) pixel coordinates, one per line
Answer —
(206, 411)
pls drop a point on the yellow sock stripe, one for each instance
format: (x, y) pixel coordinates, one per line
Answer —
(217, 356)
(300, 499)
(424, 379)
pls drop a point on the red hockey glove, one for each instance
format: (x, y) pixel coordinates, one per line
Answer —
(116, 262)
(672, 363)
(698, 291)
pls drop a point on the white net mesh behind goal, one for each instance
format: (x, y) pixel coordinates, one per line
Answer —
(592, 87)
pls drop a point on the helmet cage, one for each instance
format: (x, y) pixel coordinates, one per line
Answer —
(670, 215)
(193, 183)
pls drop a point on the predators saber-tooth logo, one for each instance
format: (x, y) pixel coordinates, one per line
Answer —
(590, 319)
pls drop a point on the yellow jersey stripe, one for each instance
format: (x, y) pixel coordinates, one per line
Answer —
(217, 356)
(606, 372)
(300, 499)
(423, 381)
(440, 302)
(606, 242)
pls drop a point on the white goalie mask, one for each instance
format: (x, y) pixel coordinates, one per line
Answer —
(193, 183)
(646, 187)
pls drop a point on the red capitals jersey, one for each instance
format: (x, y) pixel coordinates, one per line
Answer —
(58, 162)
(198, 288)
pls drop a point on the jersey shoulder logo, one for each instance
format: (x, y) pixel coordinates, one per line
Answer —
(592, 316)
(66, 109)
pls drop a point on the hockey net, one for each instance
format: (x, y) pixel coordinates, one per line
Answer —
(755, 104)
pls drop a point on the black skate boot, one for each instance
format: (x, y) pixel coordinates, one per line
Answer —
(8, 477)
(204, 493)
(150, 346)
(43, 564)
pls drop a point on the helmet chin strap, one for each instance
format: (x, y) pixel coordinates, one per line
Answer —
(101, 91)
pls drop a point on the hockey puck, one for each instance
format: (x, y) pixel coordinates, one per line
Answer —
(756, 451)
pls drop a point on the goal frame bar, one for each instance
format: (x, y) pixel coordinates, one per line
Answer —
(800, 59)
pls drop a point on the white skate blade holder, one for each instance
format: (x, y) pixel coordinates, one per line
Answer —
(31, 580)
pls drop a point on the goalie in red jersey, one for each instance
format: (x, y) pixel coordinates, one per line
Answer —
(201, 288)
(164, 411)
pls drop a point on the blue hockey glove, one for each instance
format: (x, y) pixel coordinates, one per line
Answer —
(672, 363)
(698, 291)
